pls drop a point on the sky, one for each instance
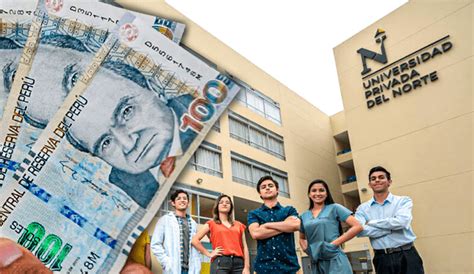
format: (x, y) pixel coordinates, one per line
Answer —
(291, 40)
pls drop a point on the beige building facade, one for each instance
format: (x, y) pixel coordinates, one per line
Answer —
(413, 114)
(268, 129)
(423, 135)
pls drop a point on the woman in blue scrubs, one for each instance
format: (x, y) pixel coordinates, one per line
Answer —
(321, 233)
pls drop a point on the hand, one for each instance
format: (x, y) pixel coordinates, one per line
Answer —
(17, 259)
(135, 268)
(294, 220)
(246, 270)
(216, 252)
(334, 243)
(304, 244)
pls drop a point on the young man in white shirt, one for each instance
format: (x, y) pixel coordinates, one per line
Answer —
(171, 241)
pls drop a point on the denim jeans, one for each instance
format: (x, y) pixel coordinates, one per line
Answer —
(227, 264)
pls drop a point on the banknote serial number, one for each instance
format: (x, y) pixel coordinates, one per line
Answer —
(90, 262)
(48, 248)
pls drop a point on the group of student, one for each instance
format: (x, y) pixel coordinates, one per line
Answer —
(385, 219)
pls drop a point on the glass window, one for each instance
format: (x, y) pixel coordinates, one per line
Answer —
(259, 173)
(282, 183)
(242, 96)
(207, 159)
(255, 135)
(258, 138)
(200, 205)
(241, 172)
(255, 102)
(247, 171)
(276, 145)
(272, 112)
(258, 102)
(206, 205)
(239, 129)
(217, 126)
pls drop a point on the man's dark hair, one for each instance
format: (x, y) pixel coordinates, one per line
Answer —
(264, 178)
(176, 193)
(379, 168)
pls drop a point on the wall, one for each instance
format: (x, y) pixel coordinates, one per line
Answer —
(306, 130)
(423, 137)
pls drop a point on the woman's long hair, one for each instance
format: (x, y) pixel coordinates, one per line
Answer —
(216, 210)
(329, 200)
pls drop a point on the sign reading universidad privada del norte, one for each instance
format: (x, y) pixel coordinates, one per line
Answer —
(400, 77)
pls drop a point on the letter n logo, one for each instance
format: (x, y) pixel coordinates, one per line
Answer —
(379, 57)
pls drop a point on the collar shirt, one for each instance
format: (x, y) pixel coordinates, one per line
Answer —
(388, 225)
(166, 245)
(185, 235)
(276, 254)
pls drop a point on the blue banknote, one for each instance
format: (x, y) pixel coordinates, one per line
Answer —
(101, 168)
(64, 39)
(96, 13)
(15, 21)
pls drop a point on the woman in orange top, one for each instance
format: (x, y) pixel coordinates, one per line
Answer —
(230, 253)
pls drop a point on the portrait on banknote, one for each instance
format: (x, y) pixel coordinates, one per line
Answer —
(15, 21)
(64, 46)
(10, 51)
(106, 160)
(133, 127)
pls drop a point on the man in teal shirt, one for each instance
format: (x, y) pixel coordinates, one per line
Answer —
(386, 219)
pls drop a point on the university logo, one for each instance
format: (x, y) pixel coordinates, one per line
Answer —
(368, 54)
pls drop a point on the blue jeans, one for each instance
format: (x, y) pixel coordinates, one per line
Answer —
(184, 271)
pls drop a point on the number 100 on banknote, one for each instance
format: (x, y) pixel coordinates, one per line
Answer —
(107, 159)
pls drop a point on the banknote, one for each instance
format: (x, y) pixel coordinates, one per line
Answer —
(106, 161)
(59, 47)
(96, 13)
(110, 2)
(15, 21)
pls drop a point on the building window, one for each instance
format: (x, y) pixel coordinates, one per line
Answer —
(247, 171)
(255, 135)
(217, 126)
(200, 204)
(258, 102)
(201, 208)
(207, 158)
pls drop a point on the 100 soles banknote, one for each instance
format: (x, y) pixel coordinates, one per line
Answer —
(106, 161)
(15, 22)
(59, 47)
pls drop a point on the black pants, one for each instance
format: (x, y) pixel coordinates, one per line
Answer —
(227, 264)
(403, 262)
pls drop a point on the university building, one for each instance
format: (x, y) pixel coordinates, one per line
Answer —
(406, 83)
